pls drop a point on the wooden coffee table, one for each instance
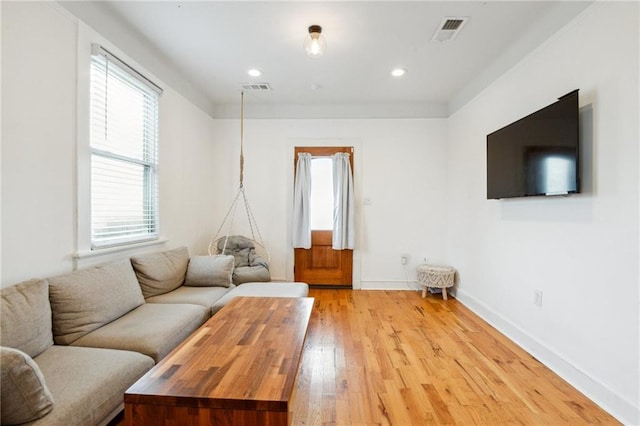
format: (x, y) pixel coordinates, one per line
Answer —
(238, 368)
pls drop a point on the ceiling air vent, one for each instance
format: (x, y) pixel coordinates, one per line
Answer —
(256, 87)
(449, 28)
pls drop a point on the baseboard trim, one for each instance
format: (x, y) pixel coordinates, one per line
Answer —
(389, 285)
(616, 405)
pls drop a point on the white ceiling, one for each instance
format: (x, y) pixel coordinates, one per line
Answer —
(204, 49)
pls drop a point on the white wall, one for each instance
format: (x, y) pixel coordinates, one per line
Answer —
(399, 166)
(0, 140)
(582, 250)
(39, 140)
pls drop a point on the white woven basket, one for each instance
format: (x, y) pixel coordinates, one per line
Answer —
(436, 276)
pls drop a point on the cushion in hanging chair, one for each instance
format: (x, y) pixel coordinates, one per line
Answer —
(249, 266)
(247, 274)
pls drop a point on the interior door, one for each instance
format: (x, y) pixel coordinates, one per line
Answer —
(321, 265)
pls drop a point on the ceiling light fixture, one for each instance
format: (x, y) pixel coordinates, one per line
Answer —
(398, 72)
(314, 44)
(254, 72)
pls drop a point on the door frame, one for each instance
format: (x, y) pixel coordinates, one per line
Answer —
(345, 256)
(322, 151)
(356, 168)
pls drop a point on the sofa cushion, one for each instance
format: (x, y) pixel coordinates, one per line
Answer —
(153, 329)
(206, 271)
(263, 290)
(85, 300)
(159, 273)
(203, 296)
(25, 396)
(88, 384)
(247, 274)
(25, 317)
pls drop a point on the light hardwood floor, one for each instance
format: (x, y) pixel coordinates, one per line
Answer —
(390, 357)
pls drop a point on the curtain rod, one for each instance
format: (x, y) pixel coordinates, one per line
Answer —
(325, 156)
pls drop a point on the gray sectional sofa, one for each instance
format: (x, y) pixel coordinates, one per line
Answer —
(73, 344)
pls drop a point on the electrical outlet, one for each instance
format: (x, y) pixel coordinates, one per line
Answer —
(537, 298)
(404, 259)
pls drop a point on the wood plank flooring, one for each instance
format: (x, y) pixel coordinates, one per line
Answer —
(392, 358)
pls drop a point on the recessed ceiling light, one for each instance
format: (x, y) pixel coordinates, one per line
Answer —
(254, 72)
(398, 72)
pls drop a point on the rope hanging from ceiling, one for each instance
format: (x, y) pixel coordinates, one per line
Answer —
(229, 218)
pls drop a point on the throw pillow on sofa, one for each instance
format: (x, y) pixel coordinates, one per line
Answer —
(160, 273)
(210, 271)
(25, 396)
(25, 317)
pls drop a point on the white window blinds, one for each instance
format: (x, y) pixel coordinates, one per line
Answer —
(124, 153)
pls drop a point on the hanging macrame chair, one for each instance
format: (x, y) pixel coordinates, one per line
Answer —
(218, 244)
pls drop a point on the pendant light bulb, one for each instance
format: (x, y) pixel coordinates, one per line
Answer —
(314, 44)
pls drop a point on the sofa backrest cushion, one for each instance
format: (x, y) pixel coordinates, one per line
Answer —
(210, 271)
(85, 300)
(25, 317)
(25, 396)
(160, 273)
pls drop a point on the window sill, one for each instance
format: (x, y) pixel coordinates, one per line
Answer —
(85, 254)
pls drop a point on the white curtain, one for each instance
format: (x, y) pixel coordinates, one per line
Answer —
(343, 214)
(302, 202)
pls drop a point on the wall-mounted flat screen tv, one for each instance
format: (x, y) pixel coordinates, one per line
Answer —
(536, 155)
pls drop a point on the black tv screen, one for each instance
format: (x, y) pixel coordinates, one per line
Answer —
(536, 155)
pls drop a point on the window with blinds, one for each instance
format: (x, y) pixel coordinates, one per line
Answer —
(124, 153)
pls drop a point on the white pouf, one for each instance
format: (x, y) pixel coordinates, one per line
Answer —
(432, 276)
